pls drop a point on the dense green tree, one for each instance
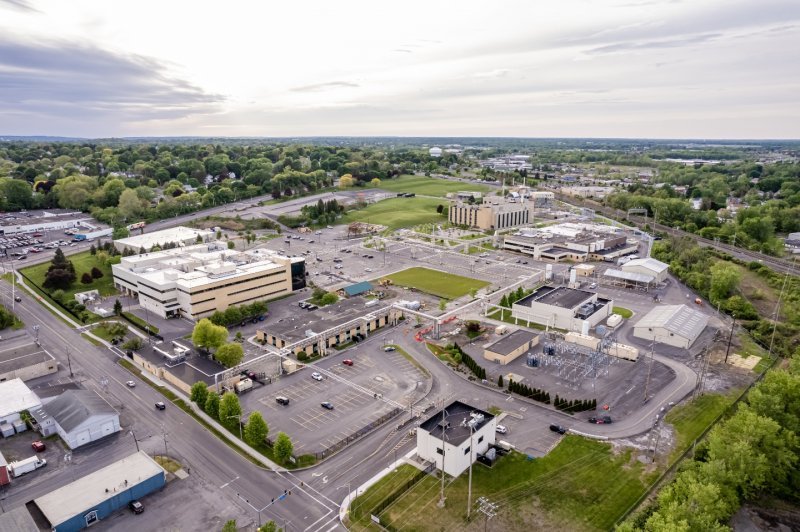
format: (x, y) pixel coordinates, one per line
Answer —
(208, 336)
(230, 411)
(283, 448)
(229, 355)
(256, 430)
(212, 405)
(199, 393)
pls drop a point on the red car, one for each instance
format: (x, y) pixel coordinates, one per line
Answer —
(347, 362)
(38, 446)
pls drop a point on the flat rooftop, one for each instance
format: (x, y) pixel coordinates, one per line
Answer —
(293, 329)
(15, 397)
(449, 424)
(22, 356)
(175, 234)
(559, 296)
(510, 343)
(89, 491)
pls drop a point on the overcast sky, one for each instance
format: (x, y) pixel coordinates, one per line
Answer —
(535, 68)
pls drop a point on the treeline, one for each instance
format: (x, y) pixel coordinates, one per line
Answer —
(526, 391)
(718, 277)
(322, 213)
(236, 315)
(460, 357)
(748, 457)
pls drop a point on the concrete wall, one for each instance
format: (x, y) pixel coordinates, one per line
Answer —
(47, 367)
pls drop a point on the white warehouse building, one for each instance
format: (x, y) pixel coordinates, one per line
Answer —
(675, 325)
(78, 416)
(563, 308)
(453, 438)
(647, 266)
(182, 236)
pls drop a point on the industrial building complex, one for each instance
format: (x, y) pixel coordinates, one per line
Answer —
(195, 281)
(571, 242)
(563, 308)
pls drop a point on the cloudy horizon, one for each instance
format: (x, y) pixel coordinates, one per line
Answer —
(580, 68)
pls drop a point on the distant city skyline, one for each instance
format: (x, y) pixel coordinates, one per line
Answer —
(717, 69)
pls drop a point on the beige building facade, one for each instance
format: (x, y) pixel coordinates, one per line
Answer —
(493, 214)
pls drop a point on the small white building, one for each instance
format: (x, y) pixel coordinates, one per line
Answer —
(648, 266)
(435, 152)
(182, 236)
(454, 437)
(78, 416)
(675, 325)
(15, 397)
(563, 308)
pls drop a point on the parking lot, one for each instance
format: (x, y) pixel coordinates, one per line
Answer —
(355, 405)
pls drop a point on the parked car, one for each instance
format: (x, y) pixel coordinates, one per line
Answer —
(281, 400)
(327, 405)
(389, 348)
(558, 428)
(347, 362)
(38, 446)
(160, 405)
(131, 384)
(136, 507)
(501, 429)
(316, 376)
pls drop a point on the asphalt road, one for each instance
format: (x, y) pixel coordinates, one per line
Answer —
(208, 457)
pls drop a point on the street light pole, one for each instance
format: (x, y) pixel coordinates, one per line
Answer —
(239, 420)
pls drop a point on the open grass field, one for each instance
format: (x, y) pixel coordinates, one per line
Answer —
(429, 186)
(622, 311)
(83, 262)
(580, 485)
(399, 212)
(690, 419)
(440, 284)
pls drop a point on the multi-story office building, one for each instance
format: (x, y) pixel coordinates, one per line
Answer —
(492, 214)
(195, 281)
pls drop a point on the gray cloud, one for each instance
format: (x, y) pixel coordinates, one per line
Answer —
(402, 50)
(68, 81)
(317, 87)
(22, 5)
(651, 45)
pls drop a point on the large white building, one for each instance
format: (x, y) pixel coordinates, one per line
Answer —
(675, 325)
(78, 416)
(182, 236)
(563, 308)
(195, 281)
(453, 438)
(648, 266)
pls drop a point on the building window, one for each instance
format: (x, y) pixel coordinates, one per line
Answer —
(466, 451)
(439, 451)
(480, 439)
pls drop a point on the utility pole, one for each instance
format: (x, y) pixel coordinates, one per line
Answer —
(444, 427)
(164, 433)
(649, 368)
(730, 338)
(69, 363)
(469, 485)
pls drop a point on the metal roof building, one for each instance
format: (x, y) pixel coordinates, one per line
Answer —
(626, 278)
(99, 494)
(676, 325)
(357, 289)
(17, 520)
(647, 266)
(78, 416)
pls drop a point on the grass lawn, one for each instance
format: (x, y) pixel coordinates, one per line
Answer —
(363, 504)
(580, 485)
(398, 212)
(83, 262)
(429, 186)
(436, 283)
(692, 418)
(622, 311)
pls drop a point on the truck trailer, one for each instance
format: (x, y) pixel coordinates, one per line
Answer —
(27, 465)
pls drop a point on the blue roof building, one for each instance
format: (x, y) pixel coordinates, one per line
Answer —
(357, 289)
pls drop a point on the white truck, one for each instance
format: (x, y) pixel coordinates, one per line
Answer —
(27, 465)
